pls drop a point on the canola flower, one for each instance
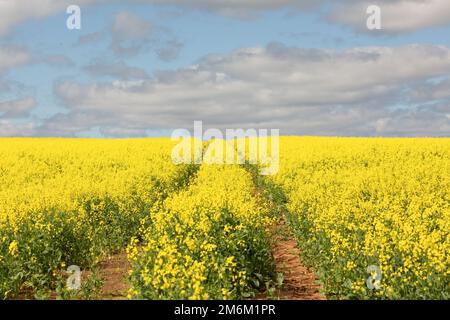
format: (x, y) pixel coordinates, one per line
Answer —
(13, 248)
(73, 200)
(358, 202)
(372, 216)
(206, 242)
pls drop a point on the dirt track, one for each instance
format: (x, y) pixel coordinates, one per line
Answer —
(299, 282)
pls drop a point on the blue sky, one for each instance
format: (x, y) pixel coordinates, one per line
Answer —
(145, 69)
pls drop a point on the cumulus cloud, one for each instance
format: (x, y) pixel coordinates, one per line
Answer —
(169, 50)
(397, 15)
(11, 56)
(359, 91)
(432, 91)
(117, 70)
(241, 8)
(133, 35)
(12, 13)
(423, 121)
(17, 108)
(130, 34)
(9, 128)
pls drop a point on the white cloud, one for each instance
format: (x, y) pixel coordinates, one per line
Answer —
(11, 57)
(18, 108)
(304, 91)
(127, 24)
(12, 13)
(397, 15)
(132, 35)
(11, 129)
(240, 8)
(120, 70)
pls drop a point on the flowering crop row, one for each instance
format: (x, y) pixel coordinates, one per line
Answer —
(372, 216)
(206, 242)
(385, 203)
(66, 202)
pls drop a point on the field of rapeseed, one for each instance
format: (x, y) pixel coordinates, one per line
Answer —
(207, 242)
(68, 202)
(371, 217)
(355, 203)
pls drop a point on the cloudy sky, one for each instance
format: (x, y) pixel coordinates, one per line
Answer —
(145, 67)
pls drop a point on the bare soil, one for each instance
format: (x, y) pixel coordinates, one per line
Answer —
(299, 283)
(114, 272)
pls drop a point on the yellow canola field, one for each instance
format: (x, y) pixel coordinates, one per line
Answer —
(206, 242)
(372, 216)
(67, 201)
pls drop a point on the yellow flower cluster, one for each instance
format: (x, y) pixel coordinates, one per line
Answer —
(357, 202)
(372, 216)
(206, 242)
(71, 200)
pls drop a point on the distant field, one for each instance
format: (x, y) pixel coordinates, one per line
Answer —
(371, 218)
